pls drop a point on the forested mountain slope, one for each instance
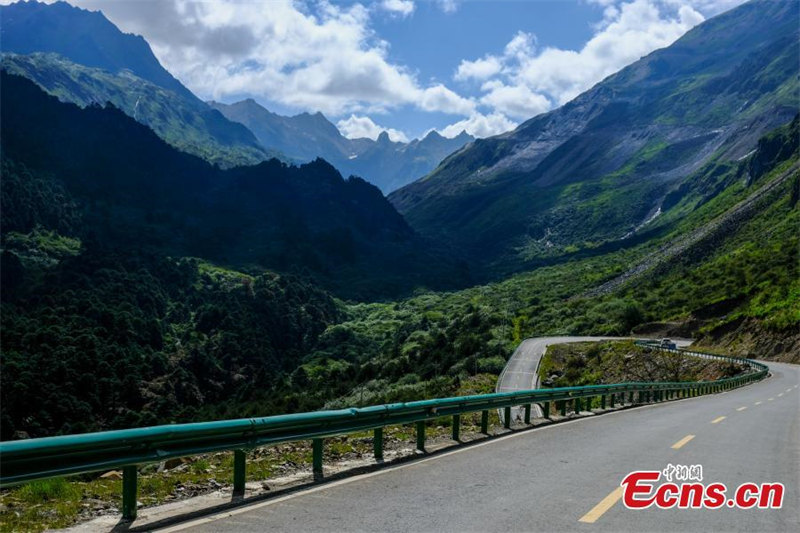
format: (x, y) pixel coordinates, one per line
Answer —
(135, 191)
(183, 121)
(81, 57)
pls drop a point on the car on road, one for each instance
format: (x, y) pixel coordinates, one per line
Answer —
(668, 344)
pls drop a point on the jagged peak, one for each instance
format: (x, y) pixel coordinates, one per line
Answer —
(433, 134)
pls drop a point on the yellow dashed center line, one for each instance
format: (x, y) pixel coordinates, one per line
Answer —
(599, 510)
(681, 442)
(718, 419)
(758, 403)
(741, 408)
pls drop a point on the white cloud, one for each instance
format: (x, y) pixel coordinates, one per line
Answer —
(440, 98)
(637, 29)
(517, 101)
(448, 6)
(480, 125)
(317, 57)
(526, 80)
(399, 7)
(480, 69)
(357, 127)
(520, 46)
(324, 56)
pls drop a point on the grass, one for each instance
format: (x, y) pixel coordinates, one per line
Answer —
(578, 364)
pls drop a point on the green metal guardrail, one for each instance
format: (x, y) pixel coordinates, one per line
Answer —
(31, 459)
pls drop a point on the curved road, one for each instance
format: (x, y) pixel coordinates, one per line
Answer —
(522, 369)
(551, 478)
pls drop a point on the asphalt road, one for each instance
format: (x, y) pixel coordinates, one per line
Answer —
(547, 479)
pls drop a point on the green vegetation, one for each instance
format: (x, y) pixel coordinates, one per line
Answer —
(144, 339)
(595, 363)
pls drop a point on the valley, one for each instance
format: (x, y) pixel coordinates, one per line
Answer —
(149, 277)
(168, 258)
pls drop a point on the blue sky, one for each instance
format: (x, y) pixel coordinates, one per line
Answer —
(406, 66)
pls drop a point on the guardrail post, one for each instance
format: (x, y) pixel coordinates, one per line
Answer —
(485, 422)
(456, 427)
(507, 417)
(612, 401)
(239, 465)
(630, 397)
(602, 401)
(576, 405)
(527, 417)
(421, 435)
(129, 492)
(563, 407)
(316, 457)
(547, 410)
(377, 443)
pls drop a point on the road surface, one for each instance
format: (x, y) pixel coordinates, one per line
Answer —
(550, 478)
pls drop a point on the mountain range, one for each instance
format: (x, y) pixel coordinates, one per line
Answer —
(602, 168)
(386, 163)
